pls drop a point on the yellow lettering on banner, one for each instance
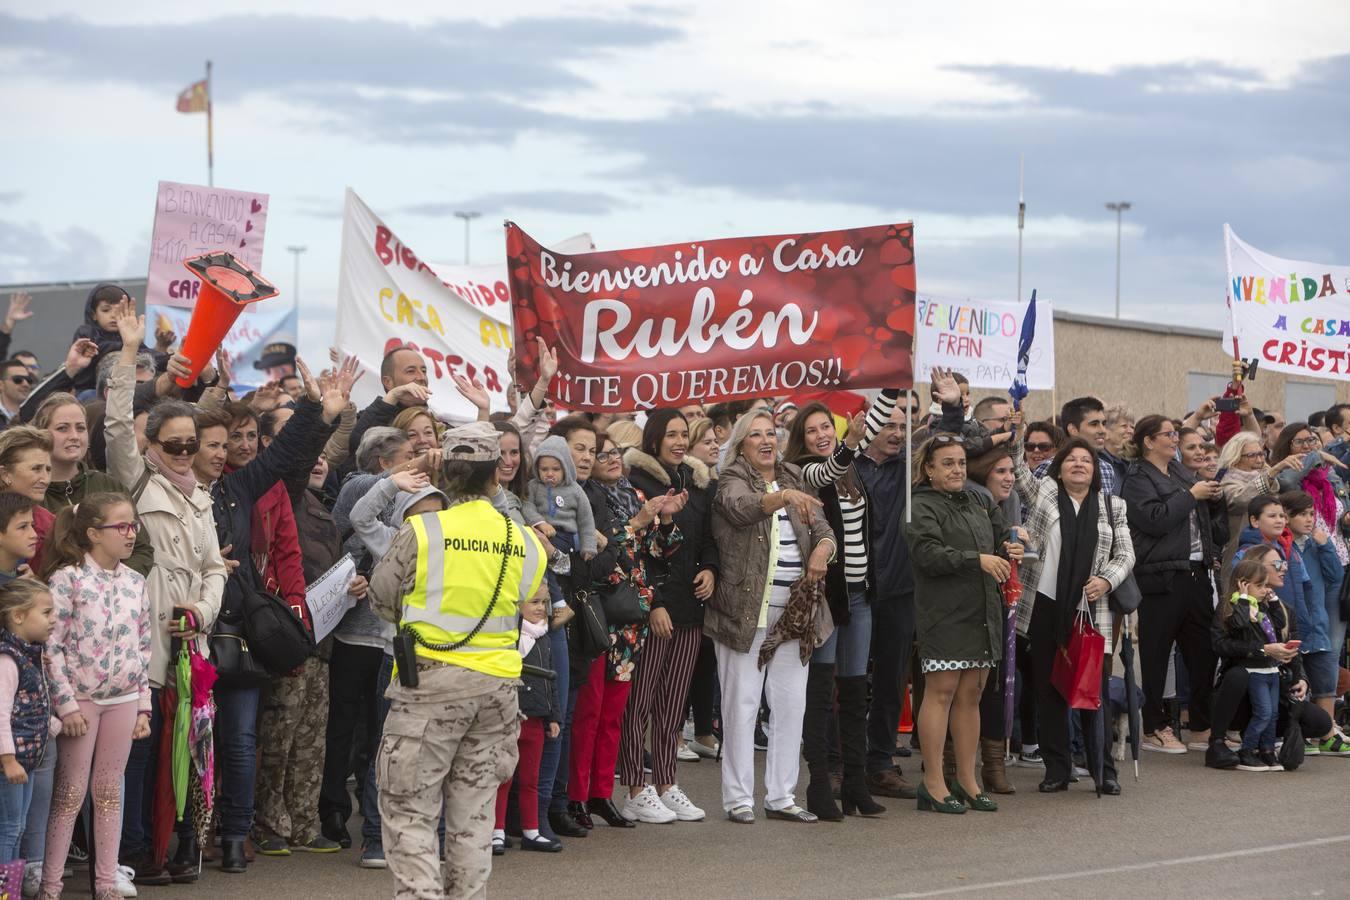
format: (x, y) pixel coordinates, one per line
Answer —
(385, 294)
(435, 321)
(494, 334)
(405, 310)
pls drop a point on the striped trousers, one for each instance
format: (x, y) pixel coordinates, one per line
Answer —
(660, 687)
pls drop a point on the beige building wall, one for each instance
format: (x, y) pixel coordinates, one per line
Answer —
(1156, 369)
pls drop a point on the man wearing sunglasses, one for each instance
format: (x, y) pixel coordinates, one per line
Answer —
(16, 382)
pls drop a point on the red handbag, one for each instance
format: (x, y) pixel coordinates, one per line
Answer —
(1077, 674)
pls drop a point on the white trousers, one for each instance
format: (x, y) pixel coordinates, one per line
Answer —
(783, 682)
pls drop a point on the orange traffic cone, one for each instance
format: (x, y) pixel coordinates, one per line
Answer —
(906, 717)
(228, 285)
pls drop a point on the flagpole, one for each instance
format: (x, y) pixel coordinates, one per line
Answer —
(1021, 221)
(210, 141)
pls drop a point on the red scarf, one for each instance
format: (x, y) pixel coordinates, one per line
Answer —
(1323, 494)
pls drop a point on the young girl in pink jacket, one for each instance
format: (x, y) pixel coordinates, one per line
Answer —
(98, 660)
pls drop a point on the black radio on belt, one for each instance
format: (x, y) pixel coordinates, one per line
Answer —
(405, 657)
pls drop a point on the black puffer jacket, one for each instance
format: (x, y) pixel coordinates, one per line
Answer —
(539, 696)
(675, 585)
(1159, 508)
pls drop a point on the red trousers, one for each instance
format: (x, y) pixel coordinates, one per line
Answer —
(595, 735)
(531, 746)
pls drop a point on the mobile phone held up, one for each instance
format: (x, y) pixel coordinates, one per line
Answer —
(1292, 645)
(1228, 404)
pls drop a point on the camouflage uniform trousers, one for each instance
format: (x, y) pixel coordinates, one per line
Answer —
(291, 738)
(451, 740)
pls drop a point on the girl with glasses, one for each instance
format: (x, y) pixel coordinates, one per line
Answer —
(97, 658)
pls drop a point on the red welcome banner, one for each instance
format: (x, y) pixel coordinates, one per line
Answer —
(717, 320)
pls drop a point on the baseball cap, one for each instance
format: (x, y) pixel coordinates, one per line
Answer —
(475, 442)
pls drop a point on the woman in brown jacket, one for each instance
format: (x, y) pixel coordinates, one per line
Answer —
(770, 534)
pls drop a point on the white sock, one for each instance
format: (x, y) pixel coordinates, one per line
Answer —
(531, 833)
(499, 834)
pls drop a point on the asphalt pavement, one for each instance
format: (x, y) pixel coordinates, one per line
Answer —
(1182, 831)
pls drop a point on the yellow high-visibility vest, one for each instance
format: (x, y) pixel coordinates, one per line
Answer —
(459, 559)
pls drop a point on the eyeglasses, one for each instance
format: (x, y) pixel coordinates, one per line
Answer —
(1255, 455)
(125, 529)
(1039, 447)
(608, 455)
(181, 448)
(1172, 435)
(1002, 420)
(22, 379)
(1303, 441)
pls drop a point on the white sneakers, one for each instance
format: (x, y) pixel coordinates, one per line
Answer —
(676, 801)
(669, 807)
(124, 885)
(647, 807)
(684, 754)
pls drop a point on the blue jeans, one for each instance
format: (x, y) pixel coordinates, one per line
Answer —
(138, 792)
(34, 843)
(15, 800)
(370, 807)
(1263, 689)
(236, 758)
(848, 645)
(558, 802)
(1322, 669)
(370, 789)
(553, 747)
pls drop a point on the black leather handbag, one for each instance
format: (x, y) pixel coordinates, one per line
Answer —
(230, 653)
(623, 605)
(590, 628)
(1126, 598)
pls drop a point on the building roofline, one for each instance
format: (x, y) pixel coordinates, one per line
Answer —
(40, 286)
(1136, 325)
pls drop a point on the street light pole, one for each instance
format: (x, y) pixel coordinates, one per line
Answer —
(468, 216)
(1118, 209)
(297, 249)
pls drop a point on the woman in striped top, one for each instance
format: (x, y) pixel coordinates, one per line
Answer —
(841, 662)
(770, 532)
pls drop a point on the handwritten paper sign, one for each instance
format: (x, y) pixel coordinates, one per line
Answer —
(979, 339)
(191, 220)
(327, 598)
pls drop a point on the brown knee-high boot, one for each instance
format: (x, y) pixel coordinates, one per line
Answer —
(995, 776)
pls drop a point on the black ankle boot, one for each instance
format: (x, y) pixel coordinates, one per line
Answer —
(186, 864)
(232, 856)
(853, 793)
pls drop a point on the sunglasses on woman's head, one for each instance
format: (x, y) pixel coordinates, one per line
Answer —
(182, 448)
(946, 440)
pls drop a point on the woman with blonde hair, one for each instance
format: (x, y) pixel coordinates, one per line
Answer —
(26, 468)
(1244, 475)
(770, 534)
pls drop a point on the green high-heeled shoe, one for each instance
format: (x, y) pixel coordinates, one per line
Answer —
(981, 801)
(948, 804)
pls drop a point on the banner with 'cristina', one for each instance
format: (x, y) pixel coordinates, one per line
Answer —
(1294, 316)
(717, 320)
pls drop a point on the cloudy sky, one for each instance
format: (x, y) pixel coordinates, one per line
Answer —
(647, 123)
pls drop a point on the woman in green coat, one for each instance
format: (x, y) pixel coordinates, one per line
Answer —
(960, 556)
(63, 417)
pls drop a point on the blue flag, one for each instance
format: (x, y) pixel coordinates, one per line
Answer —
(1019, 389)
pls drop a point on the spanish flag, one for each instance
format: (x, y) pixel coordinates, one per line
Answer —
(194, 98)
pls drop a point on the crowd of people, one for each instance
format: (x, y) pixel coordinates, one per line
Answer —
(702, 582)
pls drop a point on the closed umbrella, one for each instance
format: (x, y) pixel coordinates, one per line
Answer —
(1131, 698)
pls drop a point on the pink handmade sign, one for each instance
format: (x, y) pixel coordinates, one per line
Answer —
(190, 220)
